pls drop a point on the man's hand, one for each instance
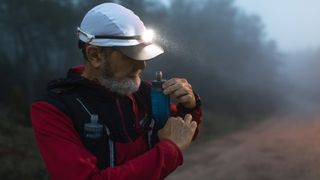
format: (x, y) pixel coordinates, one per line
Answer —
(179, 130)
(180, 91)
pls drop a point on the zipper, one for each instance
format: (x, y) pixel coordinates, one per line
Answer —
(122, 120)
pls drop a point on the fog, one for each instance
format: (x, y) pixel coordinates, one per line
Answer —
(292, 24)
(222, 50)
(302, 72)
(241, 72)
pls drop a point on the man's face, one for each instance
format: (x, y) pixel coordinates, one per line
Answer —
(121, 74)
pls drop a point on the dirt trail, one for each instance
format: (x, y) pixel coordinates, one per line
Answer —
(278, 149)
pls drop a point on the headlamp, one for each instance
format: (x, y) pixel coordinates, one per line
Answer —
(146, 37)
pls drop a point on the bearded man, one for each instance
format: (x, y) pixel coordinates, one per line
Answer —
(97, 122)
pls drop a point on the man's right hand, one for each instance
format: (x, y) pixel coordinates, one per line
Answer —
(179, 130)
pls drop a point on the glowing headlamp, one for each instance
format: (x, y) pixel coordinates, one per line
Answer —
(146, 37)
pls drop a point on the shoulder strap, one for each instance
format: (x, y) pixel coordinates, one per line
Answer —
(151, 127)
(143, 96)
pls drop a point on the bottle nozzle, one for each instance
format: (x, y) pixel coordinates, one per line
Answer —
(159, 75)
(94, 118)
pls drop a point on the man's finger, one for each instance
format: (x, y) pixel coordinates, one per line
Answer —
(168, 83)
(180, 92)
(172, 88)
(193, 125)
(186, 98)
(188, 118)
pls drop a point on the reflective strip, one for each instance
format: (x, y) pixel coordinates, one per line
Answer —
(85, 108)
(144, 120)
(150, 133)
(111, 149)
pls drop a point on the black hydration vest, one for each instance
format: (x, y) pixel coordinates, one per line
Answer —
(82, 103)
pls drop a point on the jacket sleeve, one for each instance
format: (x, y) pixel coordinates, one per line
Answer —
(66, 158)
(196, 112)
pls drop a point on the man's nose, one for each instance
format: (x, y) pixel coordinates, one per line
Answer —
(141, 64)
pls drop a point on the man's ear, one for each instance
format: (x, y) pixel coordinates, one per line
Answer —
(94, 57)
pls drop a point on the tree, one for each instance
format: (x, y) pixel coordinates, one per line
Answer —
(224, 53)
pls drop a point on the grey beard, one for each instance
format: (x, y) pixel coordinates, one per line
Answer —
(124, 87)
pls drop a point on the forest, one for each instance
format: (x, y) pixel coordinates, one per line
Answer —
(222, 51)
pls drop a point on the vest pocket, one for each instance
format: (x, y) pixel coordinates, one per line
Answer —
(98, 147)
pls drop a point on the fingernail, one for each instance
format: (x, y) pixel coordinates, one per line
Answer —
(194, 124)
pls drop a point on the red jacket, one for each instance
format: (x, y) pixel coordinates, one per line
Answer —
(66, 157)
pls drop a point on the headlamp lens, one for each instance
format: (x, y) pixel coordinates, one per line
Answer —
(147, 36)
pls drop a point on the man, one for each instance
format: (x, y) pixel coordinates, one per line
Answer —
(97, 123)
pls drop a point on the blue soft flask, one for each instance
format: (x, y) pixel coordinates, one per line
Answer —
(160, 101)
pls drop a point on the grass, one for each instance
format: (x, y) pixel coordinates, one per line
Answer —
(19, 156)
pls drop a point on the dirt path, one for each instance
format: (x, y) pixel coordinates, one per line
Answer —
(278, 149)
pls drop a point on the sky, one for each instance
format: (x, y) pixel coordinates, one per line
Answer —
(293, 24)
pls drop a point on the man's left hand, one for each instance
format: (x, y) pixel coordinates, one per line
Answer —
(180, 91)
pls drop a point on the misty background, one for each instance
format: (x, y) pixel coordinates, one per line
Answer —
(241, 74)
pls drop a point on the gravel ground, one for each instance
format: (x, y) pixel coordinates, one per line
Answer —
(276, 149)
